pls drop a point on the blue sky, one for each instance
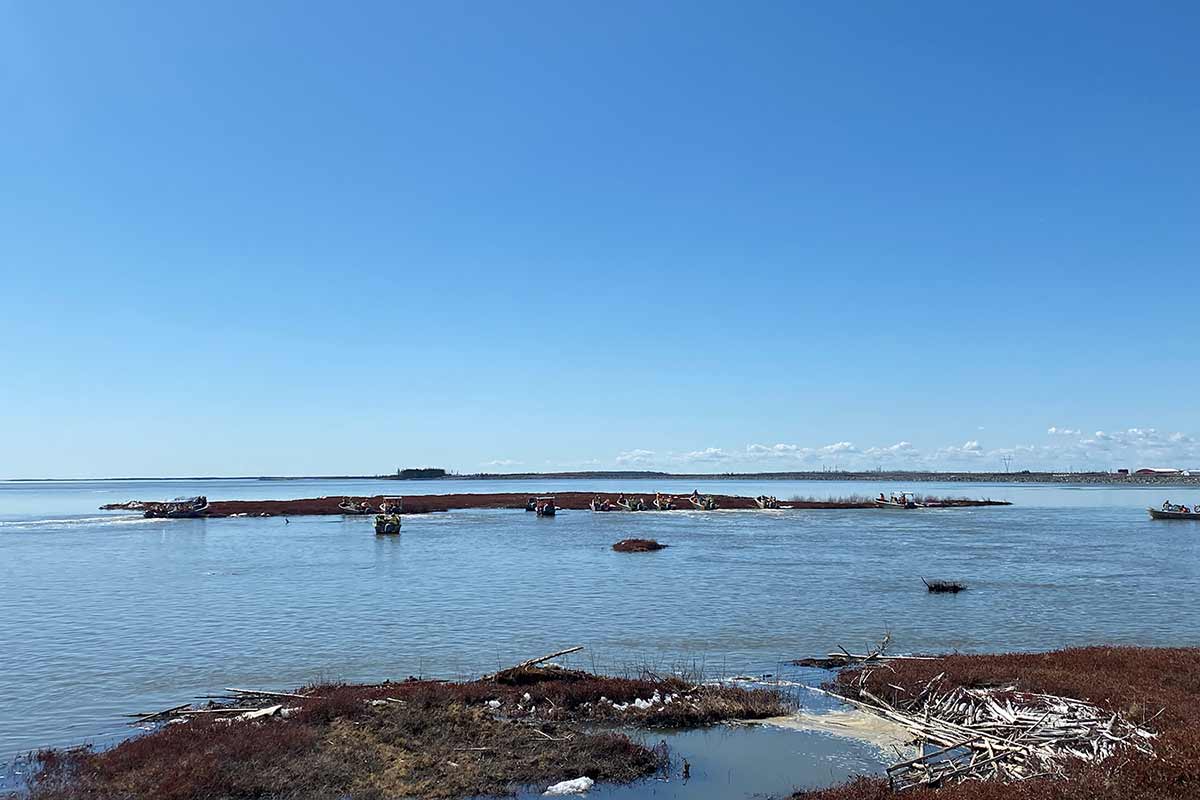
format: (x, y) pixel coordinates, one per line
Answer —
(275, 238)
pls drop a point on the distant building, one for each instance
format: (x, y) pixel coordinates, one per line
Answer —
(1158, 471)
(1123, 472)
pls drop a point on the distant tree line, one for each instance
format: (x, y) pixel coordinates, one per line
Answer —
(420, 473)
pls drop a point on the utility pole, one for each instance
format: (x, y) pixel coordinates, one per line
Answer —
(1007, 461)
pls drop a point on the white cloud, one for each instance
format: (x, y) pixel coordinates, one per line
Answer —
(775, 450)
(635, 456)
(501, 462)
(707, 454)
(1067, 448)
(900, 449)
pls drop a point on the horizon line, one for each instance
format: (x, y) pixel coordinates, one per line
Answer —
(580, 473)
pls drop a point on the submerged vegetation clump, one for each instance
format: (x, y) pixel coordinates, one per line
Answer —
(418, 738)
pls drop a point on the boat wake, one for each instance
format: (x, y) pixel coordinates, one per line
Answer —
(71, 522)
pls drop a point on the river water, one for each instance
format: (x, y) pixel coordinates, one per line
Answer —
(106, 613)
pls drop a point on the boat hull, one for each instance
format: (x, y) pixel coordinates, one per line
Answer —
(1158, 513)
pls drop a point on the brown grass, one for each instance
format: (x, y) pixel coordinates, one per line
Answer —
(425, 739)
(1138, 682)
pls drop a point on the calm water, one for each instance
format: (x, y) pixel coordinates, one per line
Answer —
(107, 613)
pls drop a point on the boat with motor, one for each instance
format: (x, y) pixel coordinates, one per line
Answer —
(179, 508)
(387, 524)
(348, 506)
(898, 500)
(1171, 511)
(545, 507)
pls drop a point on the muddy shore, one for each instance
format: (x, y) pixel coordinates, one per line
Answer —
(576, 501)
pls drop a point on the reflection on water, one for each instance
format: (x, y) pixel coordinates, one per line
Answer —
(105, 614)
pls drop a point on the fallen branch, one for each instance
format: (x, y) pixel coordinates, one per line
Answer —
(533, 662)
(261, 693)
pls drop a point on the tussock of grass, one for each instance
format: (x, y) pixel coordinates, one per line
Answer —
(1137, 682)
(426, 739)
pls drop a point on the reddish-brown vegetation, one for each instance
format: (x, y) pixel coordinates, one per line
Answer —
(423, 504)
(637, 546)
(412, 739)
(1137, 682)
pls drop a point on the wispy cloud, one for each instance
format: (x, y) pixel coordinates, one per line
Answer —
(636, 456)
(501, 462)
(711, 454)
(773, 451)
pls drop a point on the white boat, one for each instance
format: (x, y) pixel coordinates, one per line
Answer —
(1175, 512)
(898, 500)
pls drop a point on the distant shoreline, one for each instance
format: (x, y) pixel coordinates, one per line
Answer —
(891, 477)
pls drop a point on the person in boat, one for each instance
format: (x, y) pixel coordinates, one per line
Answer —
(695, 495)
(531, 504)
(621, 501)
(881, 498)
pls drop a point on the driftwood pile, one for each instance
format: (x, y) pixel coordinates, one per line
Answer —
(1001, 734)
(244, 705)
(844, 658)
(240, 705)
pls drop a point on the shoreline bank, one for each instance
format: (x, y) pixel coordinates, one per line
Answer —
(1107, 722)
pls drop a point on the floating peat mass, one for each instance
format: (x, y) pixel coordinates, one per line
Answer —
(577, 501)
(944, 587)
(638, 546)
(529, 725)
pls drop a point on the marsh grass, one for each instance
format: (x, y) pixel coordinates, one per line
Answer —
(417, 738)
